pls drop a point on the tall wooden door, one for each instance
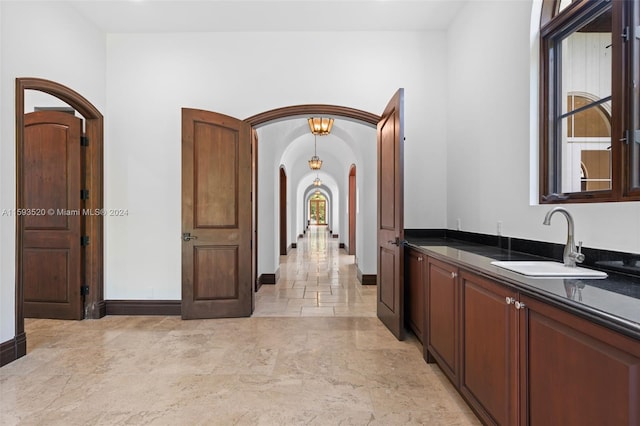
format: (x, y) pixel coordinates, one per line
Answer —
(216, 216)
(352, 210)
(390, 216)
(49, 215)
(283, 211)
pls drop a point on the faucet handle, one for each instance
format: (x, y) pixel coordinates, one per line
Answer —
(579, 256)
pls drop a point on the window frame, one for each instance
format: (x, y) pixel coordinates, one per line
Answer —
(554, 27)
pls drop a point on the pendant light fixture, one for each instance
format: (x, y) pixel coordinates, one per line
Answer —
(317, 181)
(320, 126)
(315, 163)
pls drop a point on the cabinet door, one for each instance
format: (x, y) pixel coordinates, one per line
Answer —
(489, 369)
(414, 297)
(576, 372)
(442, 322)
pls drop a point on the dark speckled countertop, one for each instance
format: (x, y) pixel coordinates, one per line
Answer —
(613, 301)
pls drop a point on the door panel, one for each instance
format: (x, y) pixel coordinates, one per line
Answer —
(390, 215)
(591, 376)
(442, 296)
(51, 257)
(387, 159)
(215, 154)
(216, 213)
(387, 274)
(47, 282)
(489, 341)
(215, 273)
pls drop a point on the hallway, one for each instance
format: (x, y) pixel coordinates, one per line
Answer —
(317, 279)
(337, 365)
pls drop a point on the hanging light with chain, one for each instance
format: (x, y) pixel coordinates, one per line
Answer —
(315, 163)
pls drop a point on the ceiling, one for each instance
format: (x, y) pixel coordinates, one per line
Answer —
(152, 16)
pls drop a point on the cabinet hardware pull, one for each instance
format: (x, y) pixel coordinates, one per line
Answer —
(419, 258)
(509, 300)
(454, 274)
(519, 305)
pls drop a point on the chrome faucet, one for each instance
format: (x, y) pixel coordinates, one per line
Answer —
(570, 255)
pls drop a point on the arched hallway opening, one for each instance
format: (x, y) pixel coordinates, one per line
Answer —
(317, 278)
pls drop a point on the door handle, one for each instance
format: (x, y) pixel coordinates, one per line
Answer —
(395, 242)
(188, 237)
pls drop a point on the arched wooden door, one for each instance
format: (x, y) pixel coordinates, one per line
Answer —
(50, 174)
(92, 263)
(89, 147)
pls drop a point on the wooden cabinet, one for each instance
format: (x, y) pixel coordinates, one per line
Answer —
(518, 360)
(442, 317)
(575, 372)
(414, 297)
(489, 342)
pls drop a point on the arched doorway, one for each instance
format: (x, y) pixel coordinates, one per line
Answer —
(296, 230)
(318, 209)
(92, 182)
(390, 229)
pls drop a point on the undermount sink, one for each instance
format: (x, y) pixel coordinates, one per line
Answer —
(548, 269)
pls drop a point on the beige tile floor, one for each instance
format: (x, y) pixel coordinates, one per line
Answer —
(317, 279)
(316, 370)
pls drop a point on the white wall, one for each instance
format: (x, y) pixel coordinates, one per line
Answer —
(150, 77)
(51, 41)
(468, 100)
(489, 142)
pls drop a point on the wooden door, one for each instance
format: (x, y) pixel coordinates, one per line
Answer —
(216, 216)
(283, 211)
(49, 215)
(390, 275)
(352, 210)
(254, 212)
(318, 209)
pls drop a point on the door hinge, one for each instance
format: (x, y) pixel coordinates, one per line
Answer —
(84, 290)
(84, 140)
(84, 240)
(84, 194)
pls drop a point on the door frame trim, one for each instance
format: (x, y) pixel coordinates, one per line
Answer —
(93, 262)
(292, 111)
(312, 109)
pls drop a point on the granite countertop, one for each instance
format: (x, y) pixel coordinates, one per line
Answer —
(613, 301)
